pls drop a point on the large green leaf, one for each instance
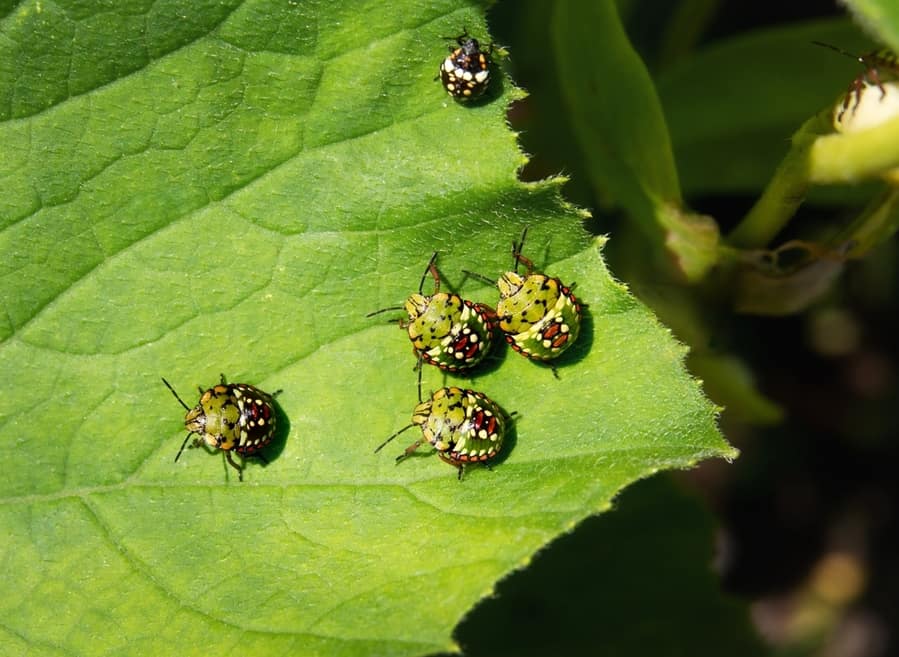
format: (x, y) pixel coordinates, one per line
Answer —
(194, 189)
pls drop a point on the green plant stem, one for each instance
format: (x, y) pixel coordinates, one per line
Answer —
(818, 156)
(783, 195)
(876, 224)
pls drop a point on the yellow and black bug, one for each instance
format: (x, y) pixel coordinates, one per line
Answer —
(232, 417)
(463, 426)
(447, 331)
(539, 315)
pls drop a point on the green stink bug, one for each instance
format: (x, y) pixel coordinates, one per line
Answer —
(464, 426)
(446, 330)
(538, 314)
(234, 417)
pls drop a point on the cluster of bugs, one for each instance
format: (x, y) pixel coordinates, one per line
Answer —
(540, 318)
(538, 315)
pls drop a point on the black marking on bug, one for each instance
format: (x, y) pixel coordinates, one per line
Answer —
(465, 72)
(232, 417)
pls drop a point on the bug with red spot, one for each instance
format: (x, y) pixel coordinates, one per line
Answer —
(538, 314)
(232, 417)
(463, 426)
(447, 331)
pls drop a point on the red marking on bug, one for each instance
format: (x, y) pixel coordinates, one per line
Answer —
(466, 347)
(554, 335)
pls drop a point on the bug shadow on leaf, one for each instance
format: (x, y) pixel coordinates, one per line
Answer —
(510, 438)
(272, 451)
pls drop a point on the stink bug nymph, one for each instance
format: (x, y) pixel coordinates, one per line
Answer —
(465, 73)
(539, 315)
(881, 70)
(464, 426)
(232, 417)
(446, 330)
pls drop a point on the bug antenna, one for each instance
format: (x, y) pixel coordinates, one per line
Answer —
(433, 271)
(840, 50)
(382, 310)
(186, 407)
(381, 446)
(183, 445)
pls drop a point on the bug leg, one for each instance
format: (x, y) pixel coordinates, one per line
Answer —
(408, 452)
(460, 39)
(856, 87)
(234, 465)
(478, 276)
(517, 248)
(525, 261)
(430, 269)
(874, 78)
(419, 379)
